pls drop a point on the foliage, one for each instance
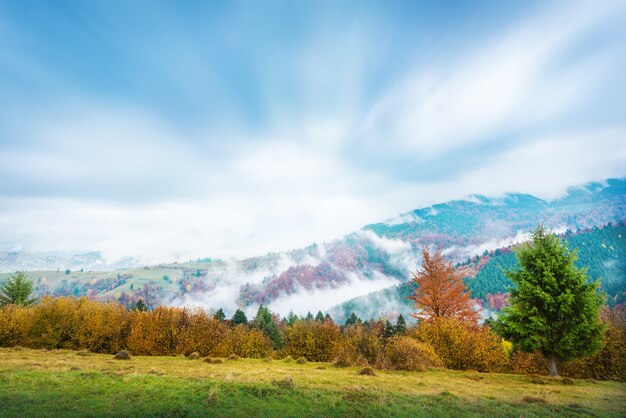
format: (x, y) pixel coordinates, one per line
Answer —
(462, 345)
(244, 342)
(553, 308)
(440, 290)
(264, 321)
(312, 340)
(405, 353)
(239, 318)
(400, 326)
(17, 290)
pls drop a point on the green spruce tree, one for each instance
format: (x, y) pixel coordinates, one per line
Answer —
(400, 325)
(553, 309)
(239, 318)
(16, 290)
(264, 321)
(291, 318)
(319, 317)
(219, 315)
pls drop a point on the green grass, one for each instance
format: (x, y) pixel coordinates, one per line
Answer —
(62, 383)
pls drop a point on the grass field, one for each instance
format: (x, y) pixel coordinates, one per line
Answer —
(65, 383)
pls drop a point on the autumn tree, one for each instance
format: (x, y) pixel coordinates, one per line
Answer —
(16, 290)
(554, 309)
(440, 291)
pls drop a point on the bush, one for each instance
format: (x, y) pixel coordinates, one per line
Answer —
(405, 353)
(194, 356)
(83, 353)
(122, 355)
(213, 360)
(244, 342)
(463, 346)
(301, 360)
(367, 371)
(357, 341)
(312, 340)
(233, 357)
(15, 323)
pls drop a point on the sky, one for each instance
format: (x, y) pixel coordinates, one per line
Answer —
(174, 130)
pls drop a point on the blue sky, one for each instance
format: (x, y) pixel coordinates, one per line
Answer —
(170, 130)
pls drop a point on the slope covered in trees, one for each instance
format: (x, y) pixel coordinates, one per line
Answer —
(601, 250)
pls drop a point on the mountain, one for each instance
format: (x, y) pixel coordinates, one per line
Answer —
(602, 251)
(323, 275)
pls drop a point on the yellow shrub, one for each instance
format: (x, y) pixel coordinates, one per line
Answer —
(462, 345)
(15, 323)
(244, 342)
(200, 333)
(405, 353)
(312, 340)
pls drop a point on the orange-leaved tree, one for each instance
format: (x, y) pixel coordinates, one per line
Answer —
(440, 290)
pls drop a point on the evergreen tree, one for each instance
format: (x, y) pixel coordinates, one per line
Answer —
(319, 317)
(16, 290)
(291, 318)
(220, 315)
(400, 325)
(352, 320)
(239, 318)
(265, 322)
(388, 329)
(309, 316)
(140, 306)
(328, 318)
(553, 308)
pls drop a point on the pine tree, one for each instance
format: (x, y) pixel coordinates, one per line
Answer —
(388, 329)
(140, 306)
(352, 320)
(440, 291)
(553, 308)
(265, 322)
(239, 318)
(328, 318)
(16, 290)
(220, 315)
(400, 325)
(291, 318)
(309, 316)
(319, 317)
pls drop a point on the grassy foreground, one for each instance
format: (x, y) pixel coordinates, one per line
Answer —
(64, 383)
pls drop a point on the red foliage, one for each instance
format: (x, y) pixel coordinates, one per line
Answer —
(440, 291)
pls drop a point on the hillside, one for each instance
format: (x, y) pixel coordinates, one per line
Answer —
(601, 250)
(374, 258)
(96, 385)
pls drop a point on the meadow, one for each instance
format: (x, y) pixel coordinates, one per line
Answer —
(78, 383)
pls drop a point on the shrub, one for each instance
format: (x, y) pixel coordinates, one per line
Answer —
(15, 323)
(233, 357)
(312, 340)
(213, 360)
(405, 353)
(462, 345)
(357, 341)
(288, 359)
(244, 342)
(367, 371)
(194, 356)
(83, 353)
(122, 355)
(301, 360)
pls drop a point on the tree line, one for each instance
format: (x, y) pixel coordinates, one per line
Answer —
(556, 319)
